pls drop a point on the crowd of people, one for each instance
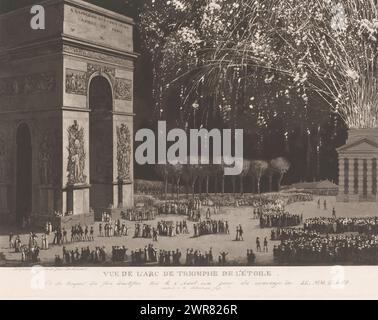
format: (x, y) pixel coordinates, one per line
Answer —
(174, 207)
(190, 208)
(143, 230)
(169, 258)
(268, 207)
(140, 214)
(82, 256)
(299, 197)
(142, 256)
(30, 254)
(291, 233)
(113, 229)
(194, 215)
(151, 255)
(119, 253)
(198, 258)
(353, 249)
(78, 233)
(211, 227)
(340, 225)
(170, 229)
(280, 219)
(231, 200)
(320, 240)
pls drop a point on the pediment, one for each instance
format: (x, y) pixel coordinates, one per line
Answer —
(360, 146)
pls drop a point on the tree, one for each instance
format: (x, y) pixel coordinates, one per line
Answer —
(162, 171)
(216, 172)
(280, 166)
(206, 171)
(244, 173)
(176, 172)
(257, 170)
(190, 174)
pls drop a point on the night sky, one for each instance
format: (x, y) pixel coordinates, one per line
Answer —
(143, 100)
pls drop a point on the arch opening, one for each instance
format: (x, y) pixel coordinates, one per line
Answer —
(101, 144)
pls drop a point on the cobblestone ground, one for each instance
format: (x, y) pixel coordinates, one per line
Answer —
(236, 249)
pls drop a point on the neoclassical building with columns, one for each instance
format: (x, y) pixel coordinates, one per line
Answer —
(66, 113)
(358, 166)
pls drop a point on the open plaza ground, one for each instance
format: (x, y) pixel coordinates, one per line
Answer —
(218, 242)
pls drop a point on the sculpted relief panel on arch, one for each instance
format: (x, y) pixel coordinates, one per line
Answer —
(28, 84)
(47, 157)
(76, 155)
(77, 81)
(124, 152)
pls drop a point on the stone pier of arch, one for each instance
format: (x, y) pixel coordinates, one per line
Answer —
(45, 83)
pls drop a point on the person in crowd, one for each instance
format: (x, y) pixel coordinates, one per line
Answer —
(64, 239)
(251, 257)
(223, 256)
(241, 232)
(258, 245)
(11, 243)
(265, 244)
(100, 230)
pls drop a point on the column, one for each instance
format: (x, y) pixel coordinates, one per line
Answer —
(351, 176)
(360, 177)
(369, 177)
(341, 176)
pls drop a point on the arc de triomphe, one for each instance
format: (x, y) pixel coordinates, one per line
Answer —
(66, 113)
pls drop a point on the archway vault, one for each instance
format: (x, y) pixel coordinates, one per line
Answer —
(101, 144)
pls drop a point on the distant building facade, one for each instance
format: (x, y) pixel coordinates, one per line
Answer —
(358, 166)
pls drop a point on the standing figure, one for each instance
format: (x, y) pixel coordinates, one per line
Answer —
(258, 245)
(241, 233)
(265, 244)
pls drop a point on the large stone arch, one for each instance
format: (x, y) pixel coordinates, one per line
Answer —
(46, 84)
